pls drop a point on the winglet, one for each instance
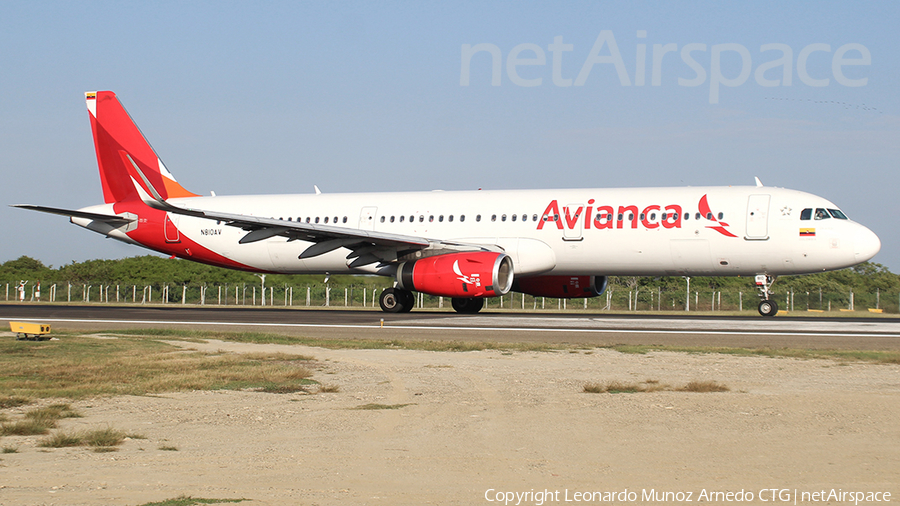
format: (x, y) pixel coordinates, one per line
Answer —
(318, 191)
(758, 182)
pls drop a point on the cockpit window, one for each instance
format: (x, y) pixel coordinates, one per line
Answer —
(822, 214)
(837, 213)
(806, 214)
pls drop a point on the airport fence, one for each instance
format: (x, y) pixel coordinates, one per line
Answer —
(365, 295)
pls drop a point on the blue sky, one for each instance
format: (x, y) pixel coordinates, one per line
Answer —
(271, 97)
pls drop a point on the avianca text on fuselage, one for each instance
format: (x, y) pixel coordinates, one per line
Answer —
(600, 217)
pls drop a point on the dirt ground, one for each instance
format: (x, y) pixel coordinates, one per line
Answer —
(479, 424)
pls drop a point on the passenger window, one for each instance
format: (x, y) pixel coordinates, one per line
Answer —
(307, 219)
(806, 214)
(838, 214)
(534, 218)
(514, 217)
(630, 216)
(431, 218)
(503, 218)
(450, 218)
(687, 216)
(652, 216)
(335, 219)
(441, 218)
(555, 217)
(822, 214)
(326, 219)
(345, 219)
(421, 218)
(477, 217)
(462, 218)
(382, 219)
(642, 216)
(698, 216)
(545, 217)
(524, 217)
(709, 216)
(493, 217)
(402, 218)
(620, 217)
(392, 219)
(721, 215)
(317, 219)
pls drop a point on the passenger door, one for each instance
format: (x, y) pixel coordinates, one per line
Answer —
(757, 218)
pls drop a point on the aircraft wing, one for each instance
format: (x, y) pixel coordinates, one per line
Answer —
(111, 219)
(366, 246)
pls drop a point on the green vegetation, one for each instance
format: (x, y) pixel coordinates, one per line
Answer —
(872, 285)
(191, 501)
(78, 367)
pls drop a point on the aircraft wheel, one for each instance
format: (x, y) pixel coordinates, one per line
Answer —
(393, 300)
(468, 306)
(768, 308)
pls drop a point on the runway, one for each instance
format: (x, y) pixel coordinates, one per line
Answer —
(588, 329)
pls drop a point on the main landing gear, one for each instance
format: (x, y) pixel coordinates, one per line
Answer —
(768, 306)
(396, 300)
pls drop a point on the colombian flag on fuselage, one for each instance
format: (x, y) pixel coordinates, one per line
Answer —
(807, 232)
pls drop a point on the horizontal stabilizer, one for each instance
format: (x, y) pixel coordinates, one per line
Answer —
(111, 219)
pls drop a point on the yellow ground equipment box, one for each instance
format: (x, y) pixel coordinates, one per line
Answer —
(30, 331)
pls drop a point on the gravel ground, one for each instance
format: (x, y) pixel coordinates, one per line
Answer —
(476, 424)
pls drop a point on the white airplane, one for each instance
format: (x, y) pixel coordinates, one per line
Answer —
(468, 245)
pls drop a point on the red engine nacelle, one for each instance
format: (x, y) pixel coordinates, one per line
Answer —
(463, 275)
(562, 287)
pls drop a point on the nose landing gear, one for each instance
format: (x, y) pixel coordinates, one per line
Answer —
(768, 306)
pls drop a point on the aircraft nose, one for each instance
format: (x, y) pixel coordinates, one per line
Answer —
(865, 244)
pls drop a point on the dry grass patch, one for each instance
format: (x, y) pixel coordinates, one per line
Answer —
(80, 367)
(191, 501)
(329, 389)
(13, 401)
(703, 387)
(101, 440)
(53, 412)
(621, 387)
(62, 439)
(375, 406)
(651, 385)
(10, 449)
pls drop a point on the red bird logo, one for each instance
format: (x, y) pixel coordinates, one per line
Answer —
(719, 225)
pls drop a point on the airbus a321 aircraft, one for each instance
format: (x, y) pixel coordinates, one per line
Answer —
(468, 245)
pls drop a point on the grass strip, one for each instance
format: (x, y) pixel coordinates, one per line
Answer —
(79, 367)
(191, 501)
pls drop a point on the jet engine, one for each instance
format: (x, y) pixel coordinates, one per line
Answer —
(562, 287)
(461, 275)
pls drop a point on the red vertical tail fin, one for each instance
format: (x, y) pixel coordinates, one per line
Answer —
(121, 146)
